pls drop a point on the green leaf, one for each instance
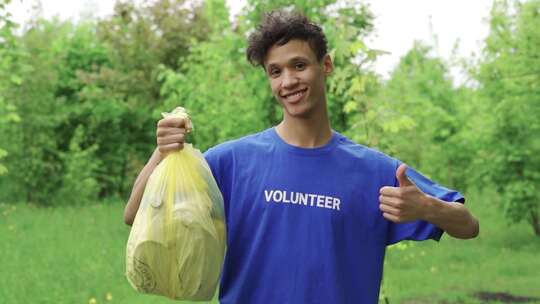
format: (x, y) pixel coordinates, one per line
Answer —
(16, 80)
(3, 169)
(350, 106)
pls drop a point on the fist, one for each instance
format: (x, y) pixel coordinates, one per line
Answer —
(171, 133)
(404, 203)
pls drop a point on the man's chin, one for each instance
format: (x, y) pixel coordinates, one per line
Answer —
(299, 110)
(302, 113)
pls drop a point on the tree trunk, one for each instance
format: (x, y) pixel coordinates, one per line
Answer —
(535, 223)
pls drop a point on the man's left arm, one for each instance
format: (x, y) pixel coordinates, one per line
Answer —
(408, 203)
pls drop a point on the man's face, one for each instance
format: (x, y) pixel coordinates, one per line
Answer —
(297, 78)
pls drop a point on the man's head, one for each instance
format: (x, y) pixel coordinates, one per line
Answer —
(293, 53)
(279, 27)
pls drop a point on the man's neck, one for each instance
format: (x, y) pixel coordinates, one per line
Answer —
(305, 133)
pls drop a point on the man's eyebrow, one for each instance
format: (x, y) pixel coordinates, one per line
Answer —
(271, 65)
(298, 58)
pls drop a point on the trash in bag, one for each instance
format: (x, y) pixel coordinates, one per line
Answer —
(177, 242)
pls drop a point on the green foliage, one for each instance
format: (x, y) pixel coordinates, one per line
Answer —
(32, 158)
(98, 75)
(351, 85)
(509, 75)
(79, 183)
(53, 53)
(9, 52)
(119, 97)
(225, 97)
(415, 116)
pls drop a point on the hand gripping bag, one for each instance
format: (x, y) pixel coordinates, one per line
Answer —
(177, 242)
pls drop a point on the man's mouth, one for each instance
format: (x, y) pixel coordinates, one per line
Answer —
(295, 96)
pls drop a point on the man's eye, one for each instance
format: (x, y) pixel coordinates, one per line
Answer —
(300, 66)
(274, 72)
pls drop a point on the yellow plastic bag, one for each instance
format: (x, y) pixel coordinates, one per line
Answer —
(177, 243)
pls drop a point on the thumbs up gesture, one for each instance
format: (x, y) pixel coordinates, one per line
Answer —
(404, 203)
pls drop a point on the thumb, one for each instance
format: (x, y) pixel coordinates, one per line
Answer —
(401, 177)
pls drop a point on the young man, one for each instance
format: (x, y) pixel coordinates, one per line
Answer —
(308, 212)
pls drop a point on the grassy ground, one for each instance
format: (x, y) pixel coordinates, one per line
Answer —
(65, 255)
(76, 255)
(503, 259)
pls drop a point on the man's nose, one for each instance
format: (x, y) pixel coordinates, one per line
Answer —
(290, 79)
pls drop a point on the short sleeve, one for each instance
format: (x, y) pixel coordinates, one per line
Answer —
(422, 230)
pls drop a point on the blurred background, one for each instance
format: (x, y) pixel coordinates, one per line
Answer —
(450, 87)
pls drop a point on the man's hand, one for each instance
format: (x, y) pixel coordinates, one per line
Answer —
(404, 203)
(170, 133)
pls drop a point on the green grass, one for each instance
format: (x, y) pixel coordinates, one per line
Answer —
(502, 259)
(75, 254)
(65, 255)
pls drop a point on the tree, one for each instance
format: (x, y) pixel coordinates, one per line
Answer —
(226, 98)
(87, 93)
(416, 117)
(33, 159)
(9, 52)
(118, 104)
(509, 77)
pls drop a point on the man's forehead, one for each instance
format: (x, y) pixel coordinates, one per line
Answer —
(290, 51)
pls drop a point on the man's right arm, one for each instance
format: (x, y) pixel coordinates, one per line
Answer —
(170, 135)
(137, 192)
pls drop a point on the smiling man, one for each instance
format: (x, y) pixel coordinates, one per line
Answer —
(309, 213)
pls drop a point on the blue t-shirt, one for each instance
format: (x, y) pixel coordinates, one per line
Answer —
(304, 225)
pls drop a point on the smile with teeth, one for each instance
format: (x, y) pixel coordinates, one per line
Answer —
(295, 96)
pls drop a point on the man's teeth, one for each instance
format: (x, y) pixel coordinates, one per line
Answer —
(295, 94)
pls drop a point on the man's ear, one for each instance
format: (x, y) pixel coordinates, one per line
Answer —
(328, 65)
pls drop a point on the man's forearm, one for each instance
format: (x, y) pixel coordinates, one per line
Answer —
(454, 218)
(137, 192)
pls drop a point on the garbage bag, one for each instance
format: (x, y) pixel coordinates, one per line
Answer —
(178, 239)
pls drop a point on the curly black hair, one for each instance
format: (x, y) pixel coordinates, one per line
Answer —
(279, 27)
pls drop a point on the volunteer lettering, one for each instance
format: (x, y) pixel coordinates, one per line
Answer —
(305, 199)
